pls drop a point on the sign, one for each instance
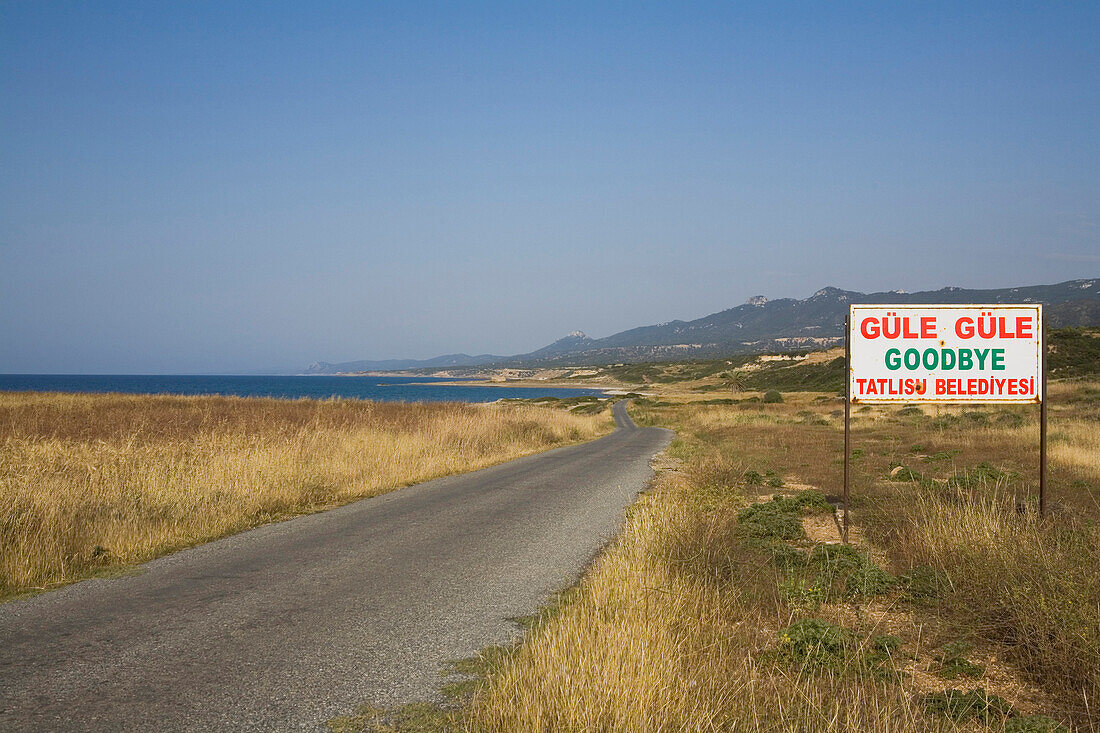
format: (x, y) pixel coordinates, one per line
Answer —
(945, 353)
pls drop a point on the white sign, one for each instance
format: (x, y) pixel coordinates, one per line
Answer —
(945, 353)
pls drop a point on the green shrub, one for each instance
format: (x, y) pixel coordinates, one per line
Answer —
(772, 396)
(849, 572)
(882, 651)
(818, 377)
(903, 473)
(801, 594)
(981, 475)
(1034, 724)
(810, 501)
(886, 644)
(785, 557)
(780, 518)
(924, 584)
(768, 521)
(1009, 419)
(1075, 352)
(809, 417)
(961, 706)
(976, 418)
(953, 663)
(944, 422)
(869, 580)
(813, 643)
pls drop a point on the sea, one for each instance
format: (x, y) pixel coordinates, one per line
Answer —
(385, 389)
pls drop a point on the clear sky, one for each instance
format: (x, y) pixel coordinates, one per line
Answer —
(231, 187)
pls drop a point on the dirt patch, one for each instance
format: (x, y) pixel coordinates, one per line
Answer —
(664, 462)
(821, 528)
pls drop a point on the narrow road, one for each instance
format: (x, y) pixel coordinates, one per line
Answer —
(286, 626)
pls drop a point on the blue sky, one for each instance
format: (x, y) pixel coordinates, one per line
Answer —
(226, 187)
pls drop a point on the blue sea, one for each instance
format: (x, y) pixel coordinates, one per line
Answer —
(387, 389)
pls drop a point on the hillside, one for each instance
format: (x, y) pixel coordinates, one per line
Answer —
(815, 322)
(385, 365)
(758, 325)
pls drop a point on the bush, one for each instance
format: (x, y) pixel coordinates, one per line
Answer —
(961, 706)
(812, 643)
(978, 477)
(802, 595)
(869, 580)
(849, 572)
(887, 644)
(953, 663)
(1009, 419)
(785, 557)
(779, 519)
(944, 422)
(819, 377)
(1075, 352)
(810, 501)
(903, 473)
(1034, 724)
(768, 521)
(943, 455)
(772, 396)
(880, 655)
(925, 584)
(809, 417)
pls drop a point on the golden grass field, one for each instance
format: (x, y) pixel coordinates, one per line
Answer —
(694, 618)
(92, 482)
(697, 620)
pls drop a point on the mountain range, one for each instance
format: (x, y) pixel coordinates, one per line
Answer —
(756, 326)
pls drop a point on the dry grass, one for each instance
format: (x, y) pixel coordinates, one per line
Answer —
(674, 629)
(1029, 584)
(94, 481)
(675, 626)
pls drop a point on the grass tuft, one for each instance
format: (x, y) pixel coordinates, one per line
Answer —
(960, 707)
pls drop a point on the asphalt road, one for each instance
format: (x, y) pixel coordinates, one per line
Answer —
(286, 626)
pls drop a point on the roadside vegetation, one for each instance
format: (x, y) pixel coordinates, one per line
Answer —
(581, 405)
(727, 603)
(90, 483)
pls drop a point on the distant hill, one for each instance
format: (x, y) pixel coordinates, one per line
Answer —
(760, 325)
(384, 365)
(785, 324)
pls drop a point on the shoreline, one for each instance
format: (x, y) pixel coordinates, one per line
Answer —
(519, 384)
(616, 390)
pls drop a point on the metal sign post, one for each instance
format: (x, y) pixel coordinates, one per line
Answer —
(1043, 418)
(847, 419)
